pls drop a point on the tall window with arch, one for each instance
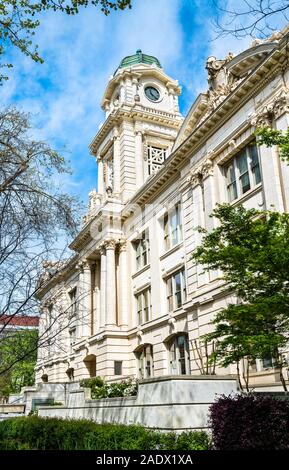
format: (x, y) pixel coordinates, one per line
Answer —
(145, 361)
(179, 355)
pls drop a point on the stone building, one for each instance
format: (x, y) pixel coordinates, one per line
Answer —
(131, 302)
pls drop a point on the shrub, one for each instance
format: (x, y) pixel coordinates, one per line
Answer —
(36, 433)
(244, 422)
(100, 389)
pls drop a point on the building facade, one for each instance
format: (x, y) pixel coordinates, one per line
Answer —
(131, 301)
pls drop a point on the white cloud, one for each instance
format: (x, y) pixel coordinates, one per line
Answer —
(81, 52)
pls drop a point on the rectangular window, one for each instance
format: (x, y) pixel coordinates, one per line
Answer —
(144, 307)
(176, 290)
(243, 172)
(172, 227)
(156, 158)
(73, 302)
(142, 250)
(117, 367)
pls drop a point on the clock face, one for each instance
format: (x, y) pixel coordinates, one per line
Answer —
(152, 93)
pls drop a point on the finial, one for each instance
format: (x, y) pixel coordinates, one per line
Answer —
(138, 51)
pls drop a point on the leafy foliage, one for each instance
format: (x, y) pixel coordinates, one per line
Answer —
(269, 137)
(13, 346)
(36, 433)
(251, 249)
(100, 389)
(247, 422)
(19, 20)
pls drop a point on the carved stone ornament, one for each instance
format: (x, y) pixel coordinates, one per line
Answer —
(272, 110)
(109, 244)
(122, 245)
(281, 103)
(197, 175)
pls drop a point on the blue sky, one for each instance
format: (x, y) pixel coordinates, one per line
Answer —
(81, 53)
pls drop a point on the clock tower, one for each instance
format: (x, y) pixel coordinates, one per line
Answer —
(142, 121)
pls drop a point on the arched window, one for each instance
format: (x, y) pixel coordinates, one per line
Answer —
(179, 355)
(145, 361)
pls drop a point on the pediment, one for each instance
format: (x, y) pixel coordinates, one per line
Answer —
(194, 116)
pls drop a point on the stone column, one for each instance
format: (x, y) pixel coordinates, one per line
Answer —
(199, 220)
(270, 166)
(138, 159)
(282, 121)
(110, 283)
(102, 286)
(100, 187)
(116, 164)
(209, 198)
(96, 299)
(123, 320)
(86, 300)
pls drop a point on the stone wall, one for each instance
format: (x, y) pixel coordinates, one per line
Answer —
(171, 403)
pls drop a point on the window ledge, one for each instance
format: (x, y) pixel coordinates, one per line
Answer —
(172, 250)
(247, 195)
(141, 270)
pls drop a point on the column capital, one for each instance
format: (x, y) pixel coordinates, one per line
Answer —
(109, 244)
(122, 245)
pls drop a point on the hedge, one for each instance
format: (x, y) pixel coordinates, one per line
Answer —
(37, 433)
(249, 422)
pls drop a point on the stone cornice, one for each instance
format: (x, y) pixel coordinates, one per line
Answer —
(133, 73)
(251, 85)
(69, 267)
(132, 113)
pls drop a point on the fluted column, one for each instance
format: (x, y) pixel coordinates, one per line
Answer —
(138, 159)
(123, 320)
(116, 164)
(110, 283)
(102, 286)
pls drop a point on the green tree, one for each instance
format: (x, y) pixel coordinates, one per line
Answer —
(251, 248)
(19, 20)
(270, 137)
(18, 354)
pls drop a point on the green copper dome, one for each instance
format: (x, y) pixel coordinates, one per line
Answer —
(139, 58)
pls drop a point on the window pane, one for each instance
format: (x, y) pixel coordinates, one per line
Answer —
(139, 308)
(182, 348)
(255, 163)
(177, 278)
(232, 191)
(242, 162)
(184, 286)
(166, 232)
(178, 290)
(231, 177)
(117, 367)
(245, 182)
(231, 183)
(173, 359)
